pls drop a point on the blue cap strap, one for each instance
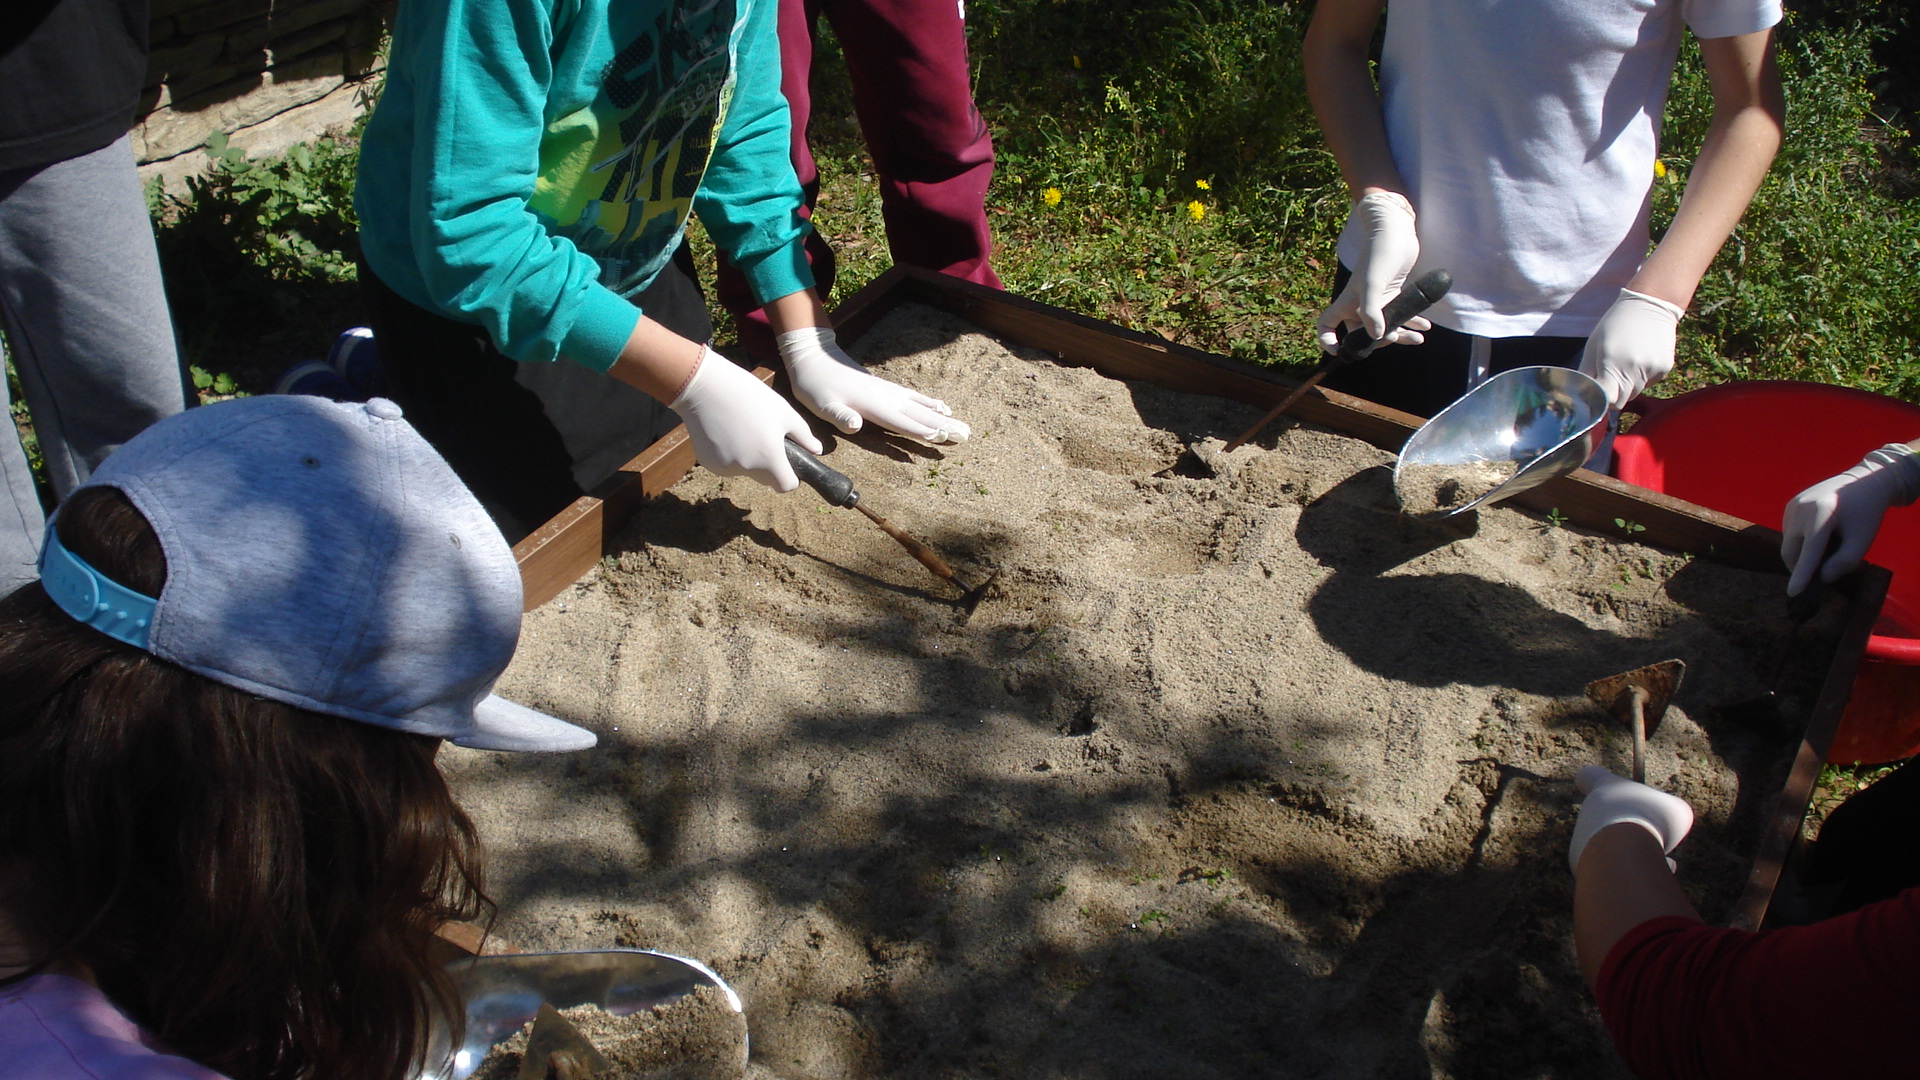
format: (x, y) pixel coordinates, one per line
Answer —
(91, 597)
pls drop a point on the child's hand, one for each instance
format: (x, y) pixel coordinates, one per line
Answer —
(1632, 347)
(1382, 225)
(844, 394)
(1847, 507)
(1613, 799)
(738, 424)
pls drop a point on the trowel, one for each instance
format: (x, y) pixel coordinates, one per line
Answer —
(1639, 698)
(1418, 296)
(837, 488)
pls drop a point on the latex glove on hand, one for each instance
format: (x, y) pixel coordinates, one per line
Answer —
(1847, 507)
(1380, 228)
(1613, 799)
(843, 393)
(738, 423)
(1632, 347)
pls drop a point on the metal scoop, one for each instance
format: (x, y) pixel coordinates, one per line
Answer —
(1517, 430)
(501, 993)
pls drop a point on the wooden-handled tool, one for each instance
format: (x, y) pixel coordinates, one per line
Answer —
(1639, 698)
(835, 487)
(1417, 297)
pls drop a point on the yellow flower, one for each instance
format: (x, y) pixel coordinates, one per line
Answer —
(1659, 169)
(1076, 61)
(1203, 185)
(1051, 196)
(1196, 211)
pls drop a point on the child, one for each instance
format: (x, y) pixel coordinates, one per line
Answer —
(1684, 999)
(524, 186)
(932, 154)
(224, 845)
(81, 300)
(1515, 146)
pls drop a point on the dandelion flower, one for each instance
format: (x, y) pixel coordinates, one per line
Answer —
(1076, 61)
(1051, 196)
(1659, 169)
(1196, 210)
(1203, 185)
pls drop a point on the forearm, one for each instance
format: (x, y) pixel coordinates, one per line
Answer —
(656, 361)
(1622, 882)
(1345, 100)
(795, 311)
(659, 362)
(1748, 125)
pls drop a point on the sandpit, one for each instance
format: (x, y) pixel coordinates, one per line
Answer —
(1243, 775)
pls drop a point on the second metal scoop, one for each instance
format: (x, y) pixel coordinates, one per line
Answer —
(1518, 429)
(499, 993)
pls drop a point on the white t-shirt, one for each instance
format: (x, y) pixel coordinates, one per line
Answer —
(1526, 132)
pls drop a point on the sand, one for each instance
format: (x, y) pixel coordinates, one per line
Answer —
(698, 1037)
(1434, 489)
(1247, 775)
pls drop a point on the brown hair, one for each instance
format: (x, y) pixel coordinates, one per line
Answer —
(256, 884)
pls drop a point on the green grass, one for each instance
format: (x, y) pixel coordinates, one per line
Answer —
(1821, 280)
(1142, 112)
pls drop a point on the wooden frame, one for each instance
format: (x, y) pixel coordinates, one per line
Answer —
(566, 547)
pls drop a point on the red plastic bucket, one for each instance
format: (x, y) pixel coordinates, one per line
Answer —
(1745, 449)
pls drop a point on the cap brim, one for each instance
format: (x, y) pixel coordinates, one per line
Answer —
(499, 724)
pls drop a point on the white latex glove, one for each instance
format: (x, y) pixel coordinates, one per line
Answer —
(843, 393)
(1848, 506)
(1381, 228)
(1613, 799)
(1632, 347)
(738, 423)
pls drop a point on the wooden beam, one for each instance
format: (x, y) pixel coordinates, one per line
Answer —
(1867, 589)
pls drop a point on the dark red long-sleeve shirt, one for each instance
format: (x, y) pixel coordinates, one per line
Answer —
(1840, 998)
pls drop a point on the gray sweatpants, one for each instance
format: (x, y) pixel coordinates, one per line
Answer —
(86, 326)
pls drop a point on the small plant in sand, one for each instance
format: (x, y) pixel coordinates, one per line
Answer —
(211, 387)
(1629, 526)
(1152, 916)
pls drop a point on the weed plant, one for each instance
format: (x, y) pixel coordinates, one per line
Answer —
(259, 260)
(1821, 281)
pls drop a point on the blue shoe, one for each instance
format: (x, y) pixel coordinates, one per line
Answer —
(317, 379)
(357, 359)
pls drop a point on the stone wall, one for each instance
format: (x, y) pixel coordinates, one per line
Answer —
(269, 73)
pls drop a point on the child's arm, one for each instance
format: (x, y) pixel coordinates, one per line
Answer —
(475, 75)
(1340, 85)
(1633, 345)
(1380, 228)
(749, 198)
(1749, 120)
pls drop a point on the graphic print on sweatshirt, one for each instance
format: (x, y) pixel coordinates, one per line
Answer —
(618, 177)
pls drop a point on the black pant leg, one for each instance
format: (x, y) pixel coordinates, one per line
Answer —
(528, 438)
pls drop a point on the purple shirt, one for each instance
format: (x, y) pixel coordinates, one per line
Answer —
(55, 1027)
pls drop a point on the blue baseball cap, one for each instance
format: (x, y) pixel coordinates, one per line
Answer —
(320, 554)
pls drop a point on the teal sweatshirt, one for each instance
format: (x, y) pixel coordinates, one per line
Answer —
(532, 163)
